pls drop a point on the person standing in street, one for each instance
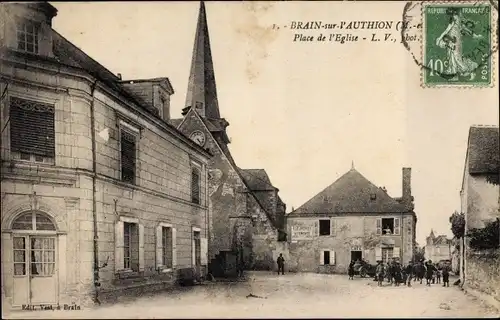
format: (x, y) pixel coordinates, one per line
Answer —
(446, 275)
(380, 273)
(351, 270)
(281, 264)
(409, 273)
(429, 272)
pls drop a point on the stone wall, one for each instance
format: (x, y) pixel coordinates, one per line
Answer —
(482, 201)
(224, 183)
(355, 232)
(483, 272)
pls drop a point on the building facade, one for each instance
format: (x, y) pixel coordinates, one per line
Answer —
(99, 192)
(349, 220)
(246, 211)
(438, 248)
(480, 203)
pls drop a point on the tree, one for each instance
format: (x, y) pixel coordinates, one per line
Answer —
(487, 237)
(457, 221)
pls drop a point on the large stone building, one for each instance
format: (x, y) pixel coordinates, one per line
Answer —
(480, 202)
(99, 192)
(351, 219)
(247, 212)
(438, 248)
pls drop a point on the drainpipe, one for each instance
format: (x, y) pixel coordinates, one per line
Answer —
(97, 284)
(207, 215)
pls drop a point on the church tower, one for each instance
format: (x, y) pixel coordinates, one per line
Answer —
(202, 90)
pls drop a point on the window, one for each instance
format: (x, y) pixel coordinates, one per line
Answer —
(130, 246)
(324, 227)
(195, 186)
(167, 247)
(387, 254)
(388, 226)
(161, 106)
(327, 257)
(128, 155)
(34, 221)
(27, 36)
(196, 248)
(32, 133)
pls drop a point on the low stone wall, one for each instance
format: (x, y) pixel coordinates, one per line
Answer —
(266, 252)
(483, 272)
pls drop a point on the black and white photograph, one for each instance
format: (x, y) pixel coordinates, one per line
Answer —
(249, 159)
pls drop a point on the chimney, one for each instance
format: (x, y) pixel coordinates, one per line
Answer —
(119, 75)
(407, 185)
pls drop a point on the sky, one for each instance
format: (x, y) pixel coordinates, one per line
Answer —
(303, 111)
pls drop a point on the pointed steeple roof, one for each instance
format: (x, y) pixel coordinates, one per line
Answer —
(432, 236)
(202, 91)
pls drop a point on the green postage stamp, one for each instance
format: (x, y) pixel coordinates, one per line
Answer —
(457, 45)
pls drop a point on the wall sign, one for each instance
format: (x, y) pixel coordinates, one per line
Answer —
(303, 231)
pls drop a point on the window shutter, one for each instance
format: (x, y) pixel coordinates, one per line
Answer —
(332, 226)
(397, 226)
(332, 257)
(321, 257)
(128, 155)
(316, 228)
(193, 252)
(204, 251)
(174, 247)
(378, 253)
(159, 247)
(396, 253)
(379, 226)
(195, 186)
(119, 246)
(141, 247)
(32, 127)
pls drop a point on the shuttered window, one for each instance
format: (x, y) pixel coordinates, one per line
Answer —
(32, 130)
(195, 186)
(128, 156)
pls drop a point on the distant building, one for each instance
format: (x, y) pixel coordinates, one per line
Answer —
(99, 192)
(352, 219)
(437, 248)
(247, 214)
(480, 202)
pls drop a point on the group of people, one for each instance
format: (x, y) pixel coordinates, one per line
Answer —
(397, 274)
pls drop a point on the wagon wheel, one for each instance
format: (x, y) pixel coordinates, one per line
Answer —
(362, 272)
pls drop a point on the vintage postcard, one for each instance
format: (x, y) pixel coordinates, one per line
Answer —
(249, 159)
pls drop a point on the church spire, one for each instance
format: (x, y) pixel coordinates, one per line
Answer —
(202, 92)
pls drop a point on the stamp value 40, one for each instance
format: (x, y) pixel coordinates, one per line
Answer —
(457, 44)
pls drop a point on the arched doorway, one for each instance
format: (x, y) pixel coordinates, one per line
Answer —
(34, 245)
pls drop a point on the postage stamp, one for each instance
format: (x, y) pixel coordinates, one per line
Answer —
(457, 44)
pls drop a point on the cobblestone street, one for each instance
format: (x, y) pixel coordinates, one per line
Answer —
(291, 295)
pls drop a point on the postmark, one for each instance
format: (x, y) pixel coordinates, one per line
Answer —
(458, 42)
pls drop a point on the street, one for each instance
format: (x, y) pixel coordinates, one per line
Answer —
(291, 295)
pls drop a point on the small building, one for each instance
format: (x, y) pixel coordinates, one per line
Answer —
(349, 220)
(437, 248)
(480, 203)
(246, 211)
(99, 192)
